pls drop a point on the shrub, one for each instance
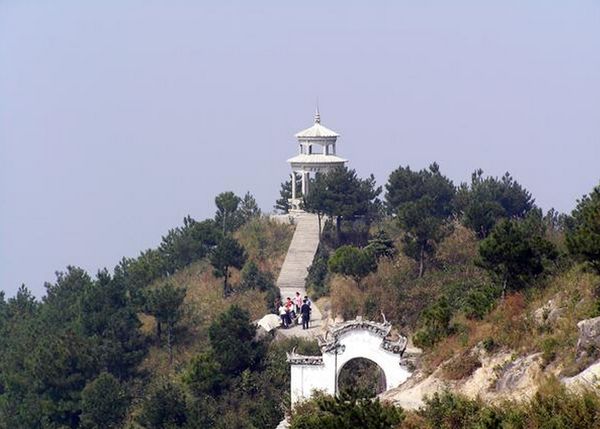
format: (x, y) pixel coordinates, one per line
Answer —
(345, 411)
(164, 406)
(436, 323)
(104, 403)
(479, 301)
(549, 348)
(317, 278)
(461, 366)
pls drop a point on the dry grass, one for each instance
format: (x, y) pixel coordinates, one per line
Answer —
(265, 242)
(461, 366)
(511, 324)
(459, 248)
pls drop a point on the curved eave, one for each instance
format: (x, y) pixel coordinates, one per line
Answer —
(316, 159)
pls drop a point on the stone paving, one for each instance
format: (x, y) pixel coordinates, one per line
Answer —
(293, 273)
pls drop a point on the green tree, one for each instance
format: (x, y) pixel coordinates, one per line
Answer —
(104, 403)
(57, 368)
(228, 253)
(435, 321)
(285, 194)
(203, 376)
(317, 201)
(62, 303)
(352, 262)
(249, 208)
(232, 337)
(227, 215)
(583, 238)
(381, 245)
(184, 245)
(109, 319)
(164, 407)
(516, 252)
(137, 273)
(488, 199)
(165, 303)
(316, 280)
(422, 202)
(342, 195)
(253, 278)
(345, 411)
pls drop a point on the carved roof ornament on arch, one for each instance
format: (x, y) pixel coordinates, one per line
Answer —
(335, 334)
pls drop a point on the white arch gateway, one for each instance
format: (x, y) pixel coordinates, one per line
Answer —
(342, 343)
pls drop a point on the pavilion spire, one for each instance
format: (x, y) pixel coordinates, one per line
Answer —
(317, 115)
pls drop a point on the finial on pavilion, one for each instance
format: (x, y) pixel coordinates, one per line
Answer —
(317, 114)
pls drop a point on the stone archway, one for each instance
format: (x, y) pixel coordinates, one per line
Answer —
(342, 343)
(362, 375)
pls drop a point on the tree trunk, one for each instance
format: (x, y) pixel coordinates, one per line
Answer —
(225, 283)
(422, 261)
(504, 288)
(170, 344)
(158, 330)
(338, 228)
(319, 217)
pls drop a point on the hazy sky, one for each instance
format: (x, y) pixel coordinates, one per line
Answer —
(118, 118)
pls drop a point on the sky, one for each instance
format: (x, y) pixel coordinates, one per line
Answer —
(120, 117)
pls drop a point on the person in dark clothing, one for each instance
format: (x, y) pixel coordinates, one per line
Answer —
(305, 311)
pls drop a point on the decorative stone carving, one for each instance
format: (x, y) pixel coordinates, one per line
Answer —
(342, 343)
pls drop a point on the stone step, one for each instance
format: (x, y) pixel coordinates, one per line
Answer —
(299, 258)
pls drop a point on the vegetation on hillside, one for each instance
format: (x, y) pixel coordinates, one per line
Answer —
(166, 339)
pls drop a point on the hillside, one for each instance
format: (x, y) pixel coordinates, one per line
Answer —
(499, 300)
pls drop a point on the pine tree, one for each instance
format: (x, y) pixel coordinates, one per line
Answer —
(583, 238)
(422, 203)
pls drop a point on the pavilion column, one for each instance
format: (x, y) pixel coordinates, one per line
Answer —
(307, 183)
(293, 185)
(304, 183)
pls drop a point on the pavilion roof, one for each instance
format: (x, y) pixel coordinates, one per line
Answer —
(317, 130)
(317, 158)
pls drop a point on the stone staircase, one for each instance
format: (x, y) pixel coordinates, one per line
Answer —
(294, 270)
(298, 259)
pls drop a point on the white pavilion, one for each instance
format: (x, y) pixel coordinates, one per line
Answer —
(317, 154)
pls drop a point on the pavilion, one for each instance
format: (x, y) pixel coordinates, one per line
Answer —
(317, 154)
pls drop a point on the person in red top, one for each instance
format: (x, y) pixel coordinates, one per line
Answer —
(289, 307)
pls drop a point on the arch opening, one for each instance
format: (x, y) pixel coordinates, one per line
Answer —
(363, 377)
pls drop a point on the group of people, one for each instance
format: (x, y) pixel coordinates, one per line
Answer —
(293, 310)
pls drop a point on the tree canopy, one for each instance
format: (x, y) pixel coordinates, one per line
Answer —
(516, 252)
(488, 199)
(232, 337)
(341, 194)
(422, 203)
(352, 262)
(583, 237)
(228, 253)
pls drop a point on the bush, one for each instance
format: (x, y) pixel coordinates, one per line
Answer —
(461, 366)
(103, 402)
(164, 407)
(345, 411)
(549, 348)
(436, 323)
(480, 301)
(317, 279)
(232, 340)
(551, 407)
